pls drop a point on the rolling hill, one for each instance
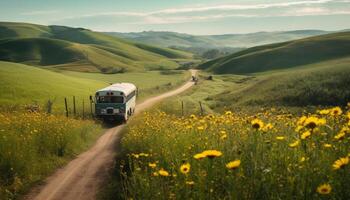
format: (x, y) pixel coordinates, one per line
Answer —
(24, 84)
(173, 39)
(283, 55)
(319, 84)
(80, 49)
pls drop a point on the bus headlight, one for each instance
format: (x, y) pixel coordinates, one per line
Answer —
(116, 110)
(103, 111)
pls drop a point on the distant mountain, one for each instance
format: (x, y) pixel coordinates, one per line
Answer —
(80, 49)
(173, 39)
(284, 55)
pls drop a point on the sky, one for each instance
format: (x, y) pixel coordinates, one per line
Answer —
(200, 17)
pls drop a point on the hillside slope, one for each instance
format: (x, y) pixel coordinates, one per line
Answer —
(93, 51)
(171, 39)
(283, 55)
(325, 83)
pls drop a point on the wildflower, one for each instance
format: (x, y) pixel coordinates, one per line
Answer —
(324, 112)
(190, 183)
(336, 111)
(305, 135)
(228, 113)
(199, 156)
(302, 159)
(324, 189)
(233, 164)
(212, 153)
(279, 138)
(185, 168)
(144, 154)
(294, 144)
(152, 165)
(162, 172)
(327, 145)
(155, 174)
(257, 124)
(340, 163)
(268, 126)
(223, 137)
(200, 128)
(312, 122)
(339, 136)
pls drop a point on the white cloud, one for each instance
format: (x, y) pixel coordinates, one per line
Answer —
(200, 13)
(41, 12)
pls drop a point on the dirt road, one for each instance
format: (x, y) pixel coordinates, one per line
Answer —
(84, 175)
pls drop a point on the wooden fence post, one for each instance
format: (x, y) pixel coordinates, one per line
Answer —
(200, 105)
(74, 108)
(92, 115)
(182, 107)
(83, 110)
(65, 103)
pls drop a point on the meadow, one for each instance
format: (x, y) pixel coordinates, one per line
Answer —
(271, 154)
(33, 145)
(21, 85)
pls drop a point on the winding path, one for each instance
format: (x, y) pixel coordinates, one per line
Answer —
(81, 178)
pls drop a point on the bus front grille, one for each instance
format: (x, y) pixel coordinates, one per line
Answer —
(110, 111)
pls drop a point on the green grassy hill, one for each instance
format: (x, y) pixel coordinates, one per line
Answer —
(283, 55)
(80, 49)
(23, 84)
(325, 83)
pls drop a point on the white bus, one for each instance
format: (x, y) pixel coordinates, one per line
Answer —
(116, 101)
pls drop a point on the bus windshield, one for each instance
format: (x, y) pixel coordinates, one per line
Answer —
(110, 99)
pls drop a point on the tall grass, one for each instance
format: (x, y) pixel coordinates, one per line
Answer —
(32, 145)
(276, 155)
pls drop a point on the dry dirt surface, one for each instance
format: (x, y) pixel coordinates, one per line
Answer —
(81, 178)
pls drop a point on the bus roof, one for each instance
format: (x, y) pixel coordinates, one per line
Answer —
(126, 88)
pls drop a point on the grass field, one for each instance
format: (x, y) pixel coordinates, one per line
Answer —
(21, 84)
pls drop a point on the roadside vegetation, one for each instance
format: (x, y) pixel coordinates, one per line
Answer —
(33, 145)
(269, 155)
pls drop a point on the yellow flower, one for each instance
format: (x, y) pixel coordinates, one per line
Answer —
(257, 124)
(152, 165)
(312, 122)
(233, 164)
(340, 163)
(223, 137)
(279, 138)
(305, 135)
(190, 183)
(162, 172)
(267, 127)
(294, 144)
(199, 156)
(228, 113)
(302, 159)
(200, 128)
(185, 168)
(327, 145)
(324, 189)
(324, 112)
(336, 111)
(155, 174)
(339, 136)
(212, 153)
